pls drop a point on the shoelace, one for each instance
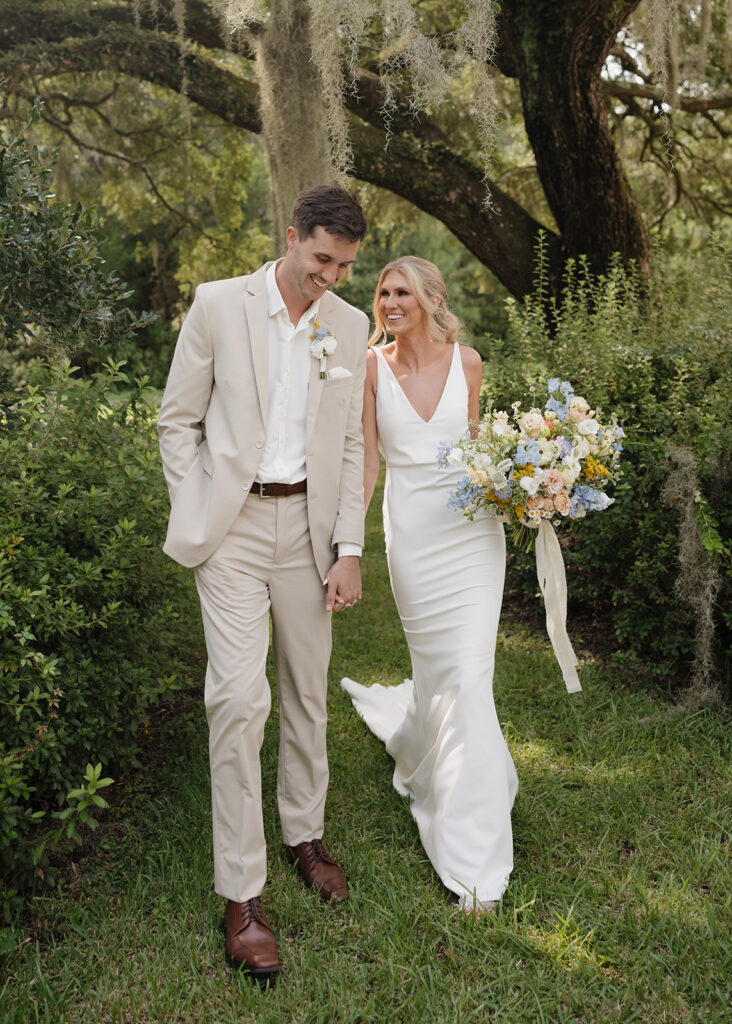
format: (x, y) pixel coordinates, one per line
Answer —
(253, 909)
(319, 852)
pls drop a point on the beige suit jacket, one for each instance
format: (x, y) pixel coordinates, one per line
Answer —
(213, 417)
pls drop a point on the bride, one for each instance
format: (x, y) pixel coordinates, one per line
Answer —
(447, 575)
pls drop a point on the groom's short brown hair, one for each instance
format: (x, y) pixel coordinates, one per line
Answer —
(330, 207)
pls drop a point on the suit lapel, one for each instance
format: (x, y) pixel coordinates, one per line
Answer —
(256, 309)
(315, 387)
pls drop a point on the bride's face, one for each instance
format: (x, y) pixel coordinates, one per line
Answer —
(399, 308)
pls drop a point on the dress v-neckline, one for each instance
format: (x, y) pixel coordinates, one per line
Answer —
(406, 398)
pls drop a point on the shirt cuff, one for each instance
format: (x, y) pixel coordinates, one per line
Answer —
(345, 549)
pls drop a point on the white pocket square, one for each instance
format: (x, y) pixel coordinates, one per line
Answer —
(338, 373)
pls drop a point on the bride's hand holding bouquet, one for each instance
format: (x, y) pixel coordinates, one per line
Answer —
(537, 470)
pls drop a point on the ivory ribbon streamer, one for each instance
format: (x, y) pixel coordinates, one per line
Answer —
(553, 583)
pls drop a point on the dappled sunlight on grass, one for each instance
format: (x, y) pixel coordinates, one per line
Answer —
(677, 897)
(564, 944)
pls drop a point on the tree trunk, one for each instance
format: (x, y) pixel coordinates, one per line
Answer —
(557, 52)
(293, 118)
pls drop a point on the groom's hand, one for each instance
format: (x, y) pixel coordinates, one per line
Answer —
(343, 583)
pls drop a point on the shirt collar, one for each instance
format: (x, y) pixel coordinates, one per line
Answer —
(276, 304)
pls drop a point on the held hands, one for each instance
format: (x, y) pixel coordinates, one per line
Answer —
(343, 584)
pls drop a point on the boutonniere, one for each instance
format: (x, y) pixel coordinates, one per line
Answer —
(322, 344)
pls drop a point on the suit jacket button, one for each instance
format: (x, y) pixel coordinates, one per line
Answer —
(260, 444)
(245, 487)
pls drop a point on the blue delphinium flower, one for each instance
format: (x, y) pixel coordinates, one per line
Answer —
(505, 493)
(527, 454)
(320, 333)
(565, 447)
(520, 458)
(618, 432)
(576, 507)
(589, 499)
(443, 449)
(464, 494)
(560, 408)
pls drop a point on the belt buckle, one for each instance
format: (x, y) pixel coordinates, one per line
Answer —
(263, 491)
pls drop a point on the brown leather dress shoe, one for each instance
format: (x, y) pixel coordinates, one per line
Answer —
(320, 871)
(250, 944)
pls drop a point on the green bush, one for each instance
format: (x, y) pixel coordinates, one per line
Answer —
(55, 293)
(662, 359)
(91, 613)
(94, 618)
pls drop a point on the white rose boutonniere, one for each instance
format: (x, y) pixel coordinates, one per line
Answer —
(322, 345)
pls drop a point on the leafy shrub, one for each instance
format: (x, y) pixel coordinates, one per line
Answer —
(663, 361)
(54, 290)
(94, 618)
(91, 613)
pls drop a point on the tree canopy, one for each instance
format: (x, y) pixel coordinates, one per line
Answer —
(587, 92)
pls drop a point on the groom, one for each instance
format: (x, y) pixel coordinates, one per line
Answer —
(262, 449)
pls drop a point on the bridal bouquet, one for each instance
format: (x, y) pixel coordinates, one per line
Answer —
(549, 464)
(537, 469)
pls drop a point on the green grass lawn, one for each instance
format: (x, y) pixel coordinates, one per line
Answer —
(618, 909)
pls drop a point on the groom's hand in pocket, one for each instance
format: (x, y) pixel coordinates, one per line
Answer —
(343, 583)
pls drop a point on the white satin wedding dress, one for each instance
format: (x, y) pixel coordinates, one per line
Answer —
(447, 577)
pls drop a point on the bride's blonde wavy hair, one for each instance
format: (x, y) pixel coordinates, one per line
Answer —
(425, 282)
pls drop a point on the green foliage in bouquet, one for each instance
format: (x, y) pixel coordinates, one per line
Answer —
(654, 571)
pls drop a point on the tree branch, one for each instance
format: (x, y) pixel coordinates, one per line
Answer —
(38, 20)
(413, 161)
(143, 55)
(693, 104)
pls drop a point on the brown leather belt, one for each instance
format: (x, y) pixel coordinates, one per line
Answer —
(279, 490)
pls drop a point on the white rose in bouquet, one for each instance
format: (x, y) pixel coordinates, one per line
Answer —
(456, 457)
(588, 427)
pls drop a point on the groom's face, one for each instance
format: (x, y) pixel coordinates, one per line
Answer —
(315, 263)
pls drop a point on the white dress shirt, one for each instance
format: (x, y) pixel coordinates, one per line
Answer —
(283, 459)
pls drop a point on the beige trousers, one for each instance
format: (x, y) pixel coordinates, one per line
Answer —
(264, 567)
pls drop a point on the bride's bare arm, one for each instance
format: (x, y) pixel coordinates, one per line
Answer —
(473, 370)
(370, 433)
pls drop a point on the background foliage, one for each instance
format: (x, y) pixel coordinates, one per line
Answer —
(54, 287)
(662, 359)
(93, 624)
